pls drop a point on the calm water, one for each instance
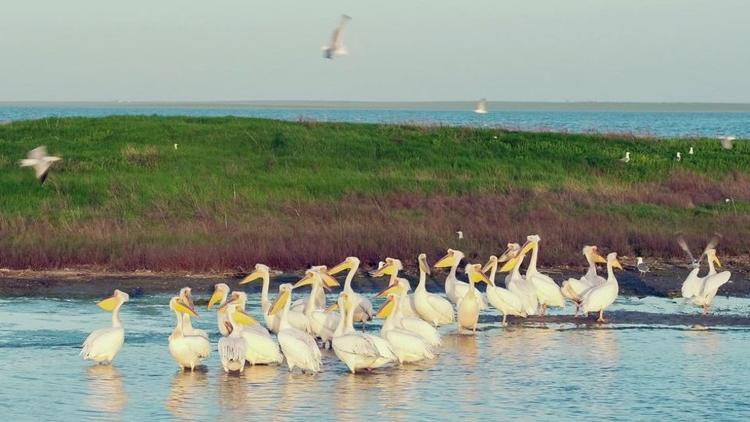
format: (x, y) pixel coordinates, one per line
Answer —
(558, 371)
(661, 124)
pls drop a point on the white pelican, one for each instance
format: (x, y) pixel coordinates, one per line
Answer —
(407, 345)
(365, 310)
(574, 288)
(221, 292)
(455, 289)
(261, 348)
(321, 324)
(232, 348)
(356, 350)
(188, 350)
(336, 48)
(393, 310)
(626, 158)
(701, 290)
(470, 304)
(430, 307)
(547, 291)
(102, 345)
(599, 297)
(299, 348)
(319, 299)
(517, 283)
(391, 267)
(296, 318)
(40, 161)
(481, 107)
(678, 157)
(186, 296)
(505, 301)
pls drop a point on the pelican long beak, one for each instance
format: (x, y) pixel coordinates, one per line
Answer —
(477, 276)
(716, 260)
(598, 258)
(391, 290)
(109, 304)
(616, 264)
(510, 264)
(333, 307)
(242, 318)
(281, 301)
(185, 309)
(505, 256)
(223, 307)
(527, 247)
(255, 275)
(328, 280)
(304, 281)
(447, 261)
(346, 265)
(215, 298)
(387, 269)
(386, 309)
(488, 266)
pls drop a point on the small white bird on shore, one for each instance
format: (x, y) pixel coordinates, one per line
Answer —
(678, 157)
(727, 142)
(460, 234)
(336, 47)
(691, 151)
(41, 162)
(175, 147)
(643, 268)
(481, 107)
(626, 158)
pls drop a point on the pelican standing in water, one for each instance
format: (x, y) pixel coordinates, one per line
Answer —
(432, 308)
(221, 292)
(299, 348)
(598, 298)
(702, 290)
(188, 350)
(470, 304)
(364, 311)
(408, 346)
(393, 309)
(505, 301)
(517, 283)
(321, 324)
(318, 299)
(261, 348)
(481, 107)
(391, 267)
(296, 318)
(40, 161)
(574, 288)
(232, 348)
(186, 296)
(104, 344)
(336, 47)
(547, 291)
(455, 289)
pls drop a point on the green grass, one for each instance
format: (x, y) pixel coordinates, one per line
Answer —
(124, 173)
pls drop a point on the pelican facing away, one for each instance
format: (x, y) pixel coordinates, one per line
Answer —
(336, 47)
(188, 350)
(104, 344)
(232, 348)
(299, 348)
(40, 161)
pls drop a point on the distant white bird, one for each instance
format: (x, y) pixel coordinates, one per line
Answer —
(175, 147)
(643, 268)
(460, 234)
(481, 107)
(626, 158)
(678, 157)
(41, 162)
(691, 151)
(727, 142)
(336, 48)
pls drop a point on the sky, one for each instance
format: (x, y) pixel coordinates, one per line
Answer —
(400, 50)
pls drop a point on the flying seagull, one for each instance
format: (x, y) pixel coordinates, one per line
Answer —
(643, 268)
(481, 107)
(727, 142)
(336, 48)
(41, 162)
(626, 158)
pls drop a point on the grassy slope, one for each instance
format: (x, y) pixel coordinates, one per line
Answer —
(237, 191)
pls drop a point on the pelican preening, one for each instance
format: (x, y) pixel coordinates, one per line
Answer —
(40, 161)
(336, 47)
(104, 344)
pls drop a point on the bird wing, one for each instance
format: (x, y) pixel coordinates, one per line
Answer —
(684, 246)
(356, 344)
(38, 153)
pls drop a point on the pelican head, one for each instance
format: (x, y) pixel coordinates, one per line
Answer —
(532, 241)
(516, 254)
(178, 305)
(592, 252)
(317, 274)
(351, 262)
(118, 298)
(612, 260)
(475, 274)
(391, 267)
(186, 296)
(452, 258)
(423, 266)
(221, 291)
(711, 255)
(261, 271)
(490, 263)
(285, 294)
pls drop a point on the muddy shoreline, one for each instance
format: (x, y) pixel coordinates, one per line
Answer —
(664, 281)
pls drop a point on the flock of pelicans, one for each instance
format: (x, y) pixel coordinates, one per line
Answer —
(409, 332)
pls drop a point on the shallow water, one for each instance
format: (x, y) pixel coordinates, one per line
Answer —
(554, 371)
(660, 124)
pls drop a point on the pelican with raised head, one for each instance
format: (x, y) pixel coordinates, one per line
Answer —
(365, 310)
(505, 301)
(295, 318)
(188, 350)
(432, 308)
(104, 344)
(299, 348)
(598, 298)
(574, 288)
(547, 291)
(321, 324)
(219, 297)
(517, 283)
(455, 289)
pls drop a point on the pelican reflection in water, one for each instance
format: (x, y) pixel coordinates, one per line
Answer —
(106, 390)
(188, 394)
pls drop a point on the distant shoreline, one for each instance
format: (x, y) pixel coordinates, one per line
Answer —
(496, 106)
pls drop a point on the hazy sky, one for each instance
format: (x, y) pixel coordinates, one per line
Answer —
(505, 50)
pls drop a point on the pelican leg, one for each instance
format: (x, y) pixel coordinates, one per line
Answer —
(705, 310)
(505, 323)
(601, 316)
(578, 308)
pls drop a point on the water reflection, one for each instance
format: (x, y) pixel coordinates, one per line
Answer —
(106, 390)
(188, 393)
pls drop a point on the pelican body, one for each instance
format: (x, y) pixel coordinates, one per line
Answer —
(188, 350)
(407, 345)
(455, 289)
(430, 307)
(702, 290)
(517, 283)
(104, 344)
(470, 304)
(299, 348)
(547, 291)
(598, 298)
(574, 288)
(505, 301)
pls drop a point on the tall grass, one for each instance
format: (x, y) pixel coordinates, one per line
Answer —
(239, 191)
